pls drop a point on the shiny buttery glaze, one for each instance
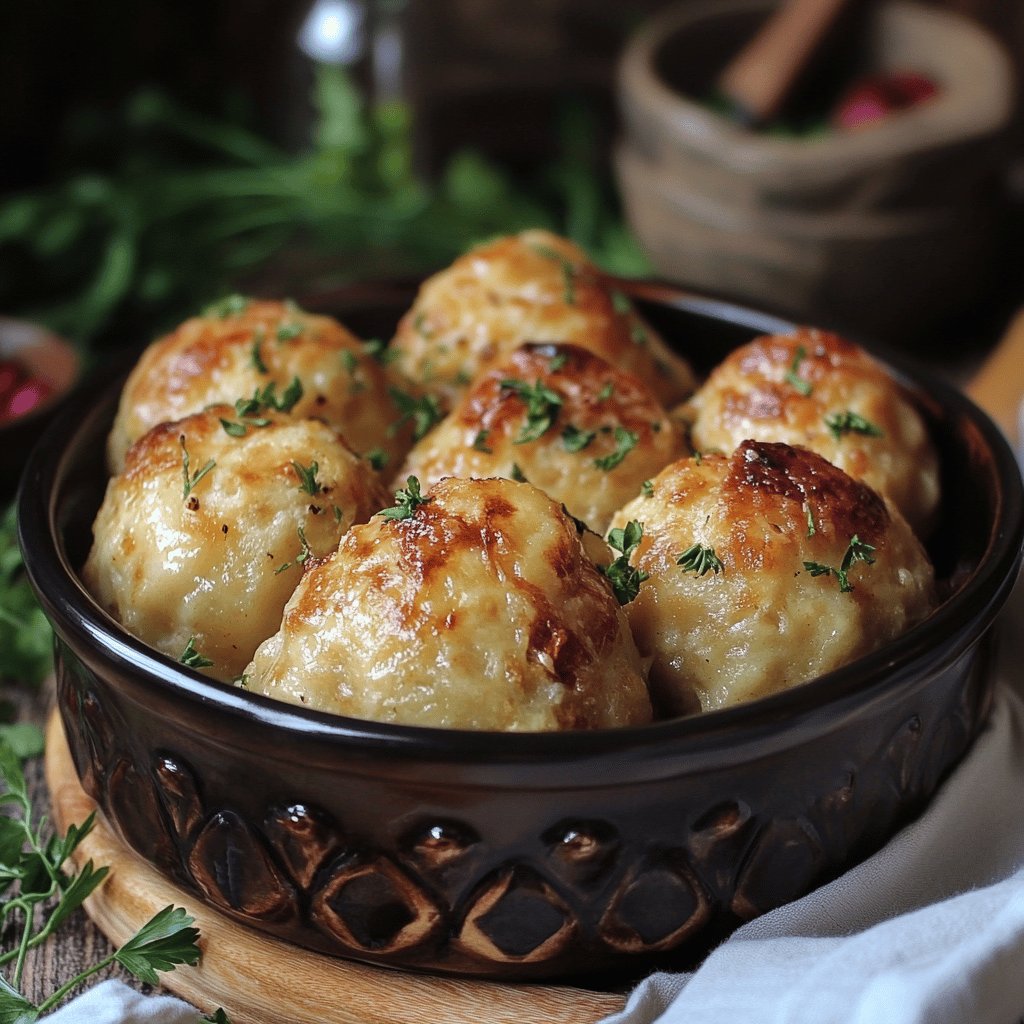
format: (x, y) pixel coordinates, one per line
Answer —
(228, 354)
(764, 622)
(534, 286)
(753, 393)
(480, 611)
(483, 435)
(210, 565)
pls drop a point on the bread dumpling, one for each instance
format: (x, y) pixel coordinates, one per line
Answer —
(815, 389)
(584, 432)
(200, 541)
(473, 606)
(241, 347)
(766, 568)
(534, 286)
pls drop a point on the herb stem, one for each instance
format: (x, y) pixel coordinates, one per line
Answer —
(23, 946)
(57, 996)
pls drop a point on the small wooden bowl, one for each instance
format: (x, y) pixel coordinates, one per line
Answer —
(586, 855)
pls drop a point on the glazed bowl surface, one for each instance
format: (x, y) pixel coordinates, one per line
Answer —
(522, 855)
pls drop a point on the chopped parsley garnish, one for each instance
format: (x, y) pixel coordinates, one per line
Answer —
(350, 361)
(858, 551)
(407, 501)
(625, 578)
(542, 407)
(625, 442)
(849, 422)
(230, 305)
(266, 398)
(558, 362)
(811, 528)
(517, 474)
(301, 558)
(638, 334)
(423, 412)
(647, 489)
(480, 442)
(191, 479)
(377, 458)
(307, 477)
(567, 267)
(377, 349)
(792, 377)
(621, 303)
(191, 658)
(289, 331)
(575, 440)
(700, 559)
(419, 325)
(254, 354)
(606, 392)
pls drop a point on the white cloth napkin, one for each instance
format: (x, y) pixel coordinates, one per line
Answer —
(113, 1002)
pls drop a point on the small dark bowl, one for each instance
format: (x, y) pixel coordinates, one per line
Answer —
(523, 855)
(47, 358)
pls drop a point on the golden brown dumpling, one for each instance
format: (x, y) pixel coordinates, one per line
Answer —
(561, 417)
(213, 562)
(478, 611)
(241, 346)
(817, 390)
(767, 568)
(535, 286)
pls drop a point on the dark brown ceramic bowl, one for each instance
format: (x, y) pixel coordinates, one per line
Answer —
(522, 855)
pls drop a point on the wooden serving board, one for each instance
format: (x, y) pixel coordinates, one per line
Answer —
(261, 980)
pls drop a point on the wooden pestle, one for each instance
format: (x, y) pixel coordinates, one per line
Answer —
(758, 79)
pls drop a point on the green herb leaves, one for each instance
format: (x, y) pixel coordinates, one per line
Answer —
(407, 501)
(793, 377)
(700, 559)
(166, 940)
(191, 658)
(422, 412)
(858, 551)
(542, 407)
(307, 477)
(574, 439)
(848, 422)
(230, 305)
(41, 891)
(305, 552)
(190, 479)
(26, 640)
(625, 442)
(567, 267)
(625, 578)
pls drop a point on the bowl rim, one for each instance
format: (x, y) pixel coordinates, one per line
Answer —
(773, 720)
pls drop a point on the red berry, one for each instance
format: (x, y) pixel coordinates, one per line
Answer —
(25, 398)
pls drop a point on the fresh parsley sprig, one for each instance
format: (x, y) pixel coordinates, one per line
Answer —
(625, 578)
(41, 893)
(858, 551)
(407, 500)
(26, 640)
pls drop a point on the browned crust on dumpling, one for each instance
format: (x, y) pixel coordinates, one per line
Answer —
(534, 286)
(480, 610)
(787, 388)
(484, 435)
